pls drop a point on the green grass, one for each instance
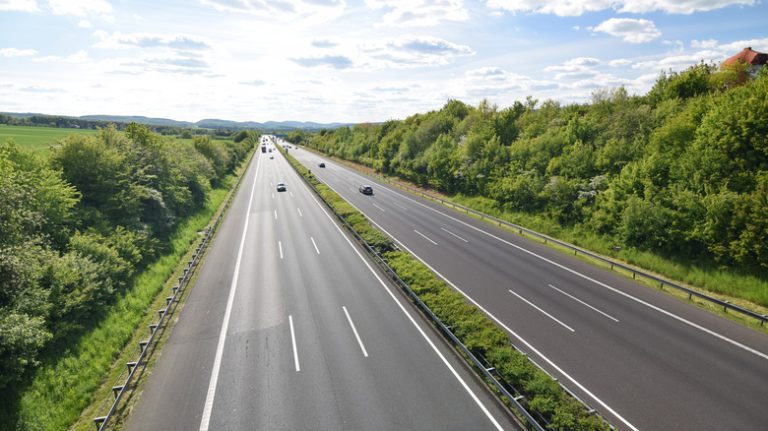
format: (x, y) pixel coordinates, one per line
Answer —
(38, 138)
(63, 386)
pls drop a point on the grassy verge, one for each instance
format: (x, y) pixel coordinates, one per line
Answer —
(63, 386)
(471, 326)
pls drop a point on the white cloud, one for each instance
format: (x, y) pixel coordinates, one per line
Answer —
(420, 12)
(703, 44)
(77, 58)
(680, 61)
(16, 52)
(333, 61)
(574, 65)
(734, 47)
(282, 10)
(80, 7)
(579, 7)
(411, 51)
(619, 62)
(630, 30)
(679, 6)
(84, 23)
(19, 5)
(147, 40)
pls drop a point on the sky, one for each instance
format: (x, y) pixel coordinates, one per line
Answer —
(349, 60)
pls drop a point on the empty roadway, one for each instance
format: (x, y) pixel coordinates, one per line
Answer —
(288, 328)
(645, 360)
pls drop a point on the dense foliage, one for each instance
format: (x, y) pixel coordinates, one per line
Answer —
(75, 227)
(681, 171)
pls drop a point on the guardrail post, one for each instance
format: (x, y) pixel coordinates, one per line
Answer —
(98, 421)
(116, 390)
(131, 365)
(143, 344)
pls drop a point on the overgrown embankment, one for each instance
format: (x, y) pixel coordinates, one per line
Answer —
(90, 234)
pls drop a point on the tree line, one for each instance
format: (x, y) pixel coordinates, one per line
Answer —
(681, 171)
(77, 224)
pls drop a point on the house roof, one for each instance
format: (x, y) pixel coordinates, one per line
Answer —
(749, 56)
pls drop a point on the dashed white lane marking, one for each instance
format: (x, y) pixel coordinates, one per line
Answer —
(352, 324)
(446, 230)
(293, 342)
(584, 303)
(425, 237)
(542, 311)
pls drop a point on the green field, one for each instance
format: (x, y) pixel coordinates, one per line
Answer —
(38, 138)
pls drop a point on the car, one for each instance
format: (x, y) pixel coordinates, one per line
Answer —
(280, 187)
(322, 165)
(366, 190)
(271, 157)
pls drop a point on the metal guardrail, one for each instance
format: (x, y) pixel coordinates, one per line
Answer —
(762, 318)
(535, 420)
(119, 391)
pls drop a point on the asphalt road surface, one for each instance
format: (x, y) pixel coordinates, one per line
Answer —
(289, 328)
(643, 359)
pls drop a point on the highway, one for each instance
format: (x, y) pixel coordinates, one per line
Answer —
(643, 359)
(289, 327)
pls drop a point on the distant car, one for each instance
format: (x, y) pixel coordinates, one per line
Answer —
(271, 157)
(322, 165)
(280, 187)
(366, 190)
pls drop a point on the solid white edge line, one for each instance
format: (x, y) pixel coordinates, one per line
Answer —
(411, 319)
(352, 324)
(315, 244)
(380, 208)
(425, 237)
(280, 247)
(293, 342)
(584, 303)
(586, 277)
(211, 394)
(542, 311)
(454, 234)
(507, 328)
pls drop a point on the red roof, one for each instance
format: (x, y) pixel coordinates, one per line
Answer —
(747, 55)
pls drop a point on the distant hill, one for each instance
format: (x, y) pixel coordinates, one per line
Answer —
(137, 119)
(208, 123)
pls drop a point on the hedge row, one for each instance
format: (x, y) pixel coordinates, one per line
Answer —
(469, 324)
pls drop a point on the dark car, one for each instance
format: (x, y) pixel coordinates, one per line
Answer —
(281, 187)
(366, 190)
(322, 165)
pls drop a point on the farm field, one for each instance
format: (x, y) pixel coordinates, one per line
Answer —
(38, 138)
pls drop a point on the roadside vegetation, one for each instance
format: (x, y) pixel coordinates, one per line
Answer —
(91, 231)
(675, 181)
(542, 394)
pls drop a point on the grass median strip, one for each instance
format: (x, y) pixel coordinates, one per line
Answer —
(542, 394)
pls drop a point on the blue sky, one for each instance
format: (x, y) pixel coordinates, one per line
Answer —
(348, 61)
